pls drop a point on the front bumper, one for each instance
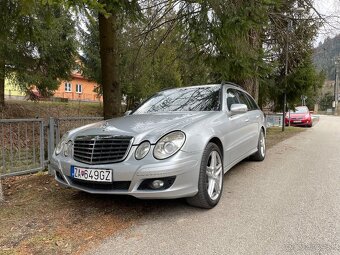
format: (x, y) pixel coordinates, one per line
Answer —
(129, 174)
(300, 122)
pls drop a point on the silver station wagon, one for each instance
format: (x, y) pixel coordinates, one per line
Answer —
(179, 143)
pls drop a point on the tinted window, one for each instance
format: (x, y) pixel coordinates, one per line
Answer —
(231, 98)
(183, 99)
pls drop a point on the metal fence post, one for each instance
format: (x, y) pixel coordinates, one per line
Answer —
(57, 130)
(51, 141)
(1, 193)
(42, 147)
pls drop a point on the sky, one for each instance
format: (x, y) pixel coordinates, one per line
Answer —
(331, 9)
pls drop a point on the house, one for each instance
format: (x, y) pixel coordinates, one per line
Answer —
(78, 88)
(12, 91)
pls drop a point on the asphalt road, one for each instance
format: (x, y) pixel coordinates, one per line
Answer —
(288, 204)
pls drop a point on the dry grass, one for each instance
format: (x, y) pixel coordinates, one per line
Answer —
(40, 217)
(27, 109)
(275, 134)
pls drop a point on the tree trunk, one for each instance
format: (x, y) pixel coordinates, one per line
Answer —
(251, 85)
(2, 84)
(109, 66)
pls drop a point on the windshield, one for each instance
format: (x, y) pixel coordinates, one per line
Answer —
(300, 109)
(183, 99)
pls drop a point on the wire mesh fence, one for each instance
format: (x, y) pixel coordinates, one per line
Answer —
(22, 146)
(26, 145)
(62, 125)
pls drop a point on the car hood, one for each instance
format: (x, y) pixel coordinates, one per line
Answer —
(142, 126)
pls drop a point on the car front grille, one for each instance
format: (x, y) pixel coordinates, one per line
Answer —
(101, 149)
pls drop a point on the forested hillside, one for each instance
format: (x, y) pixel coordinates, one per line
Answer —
(325, 54)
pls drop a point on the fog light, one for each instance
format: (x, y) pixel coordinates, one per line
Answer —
(157, 184)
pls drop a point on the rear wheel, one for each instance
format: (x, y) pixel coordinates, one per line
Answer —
(261, 148)
(210, 182)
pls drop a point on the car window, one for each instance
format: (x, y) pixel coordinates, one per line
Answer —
(300, 109)
(231, 98)
(183, 99)
(243, 99)
(254, 105)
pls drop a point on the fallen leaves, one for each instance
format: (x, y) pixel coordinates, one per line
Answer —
(40, 217)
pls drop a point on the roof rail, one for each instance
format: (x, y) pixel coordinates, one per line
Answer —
(231, 83)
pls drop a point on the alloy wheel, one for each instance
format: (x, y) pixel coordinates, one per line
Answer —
(214, 171)
(262, 145)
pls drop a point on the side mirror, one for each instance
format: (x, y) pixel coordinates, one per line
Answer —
(238, 109)
(127, 113)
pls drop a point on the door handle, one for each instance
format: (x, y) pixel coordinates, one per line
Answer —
(258, 116)
(246, 120)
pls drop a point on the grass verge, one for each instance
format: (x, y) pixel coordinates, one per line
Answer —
(40, 217)
(275, 134)
(27, 109)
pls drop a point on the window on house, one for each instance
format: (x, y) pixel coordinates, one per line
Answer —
(79, 88)
(68, 87)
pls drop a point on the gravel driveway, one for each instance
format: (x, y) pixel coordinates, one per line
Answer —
(288, 204)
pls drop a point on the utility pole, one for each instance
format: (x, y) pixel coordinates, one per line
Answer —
(289, 25)
(289, 19)
(336, 85)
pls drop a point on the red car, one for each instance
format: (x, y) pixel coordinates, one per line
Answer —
(300, 117)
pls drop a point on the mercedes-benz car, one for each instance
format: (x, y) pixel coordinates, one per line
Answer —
(177, 144)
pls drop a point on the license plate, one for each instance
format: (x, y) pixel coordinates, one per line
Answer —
(297, 121)
(95, 175)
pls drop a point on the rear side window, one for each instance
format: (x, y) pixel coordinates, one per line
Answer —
(231, 98)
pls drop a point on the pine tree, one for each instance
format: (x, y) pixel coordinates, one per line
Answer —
(37, 45)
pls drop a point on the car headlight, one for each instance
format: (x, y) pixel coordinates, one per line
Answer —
(169, 144)
(142, 150)
(60, 145)
(68, 148)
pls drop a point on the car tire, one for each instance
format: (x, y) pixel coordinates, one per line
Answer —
(210, 181)
(261, 148)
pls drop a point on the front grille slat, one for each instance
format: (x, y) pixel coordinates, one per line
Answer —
(89, 156)
(84, 152)
(101, 149)
(98, 153)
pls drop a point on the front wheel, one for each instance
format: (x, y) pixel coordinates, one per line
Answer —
(210, 182)
(261, 148)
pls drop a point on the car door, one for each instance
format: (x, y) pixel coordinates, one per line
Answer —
(234, 139)
(252, 126)
(257, 118)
